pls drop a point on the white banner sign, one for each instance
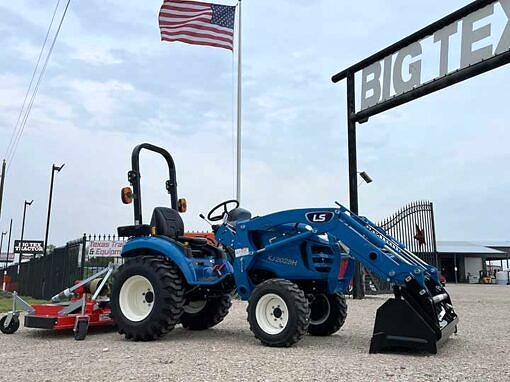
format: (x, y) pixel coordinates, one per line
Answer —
(104, 248)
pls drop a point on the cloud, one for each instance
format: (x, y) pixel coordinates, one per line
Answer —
(27, 51)
(112, 84)
(12, 91)
(100, 99)
(95, 55)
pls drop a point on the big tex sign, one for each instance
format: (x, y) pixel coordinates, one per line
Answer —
(474, 38)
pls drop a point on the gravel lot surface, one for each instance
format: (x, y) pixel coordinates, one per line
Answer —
(229, 352)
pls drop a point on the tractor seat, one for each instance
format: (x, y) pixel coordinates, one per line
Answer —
(169, 223)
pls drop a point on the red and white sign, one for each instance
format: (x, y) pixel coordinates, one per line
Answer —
(104, 248)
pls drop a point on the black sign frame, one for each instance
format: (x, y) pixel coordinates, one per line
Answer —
(362, 116)
(29, 244)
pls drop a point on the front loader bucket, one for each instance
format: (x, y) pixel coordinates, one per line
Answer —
(418, 324)
(399, 326)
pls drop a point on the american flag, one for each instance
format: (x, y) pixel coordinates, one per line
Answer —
(197, 23)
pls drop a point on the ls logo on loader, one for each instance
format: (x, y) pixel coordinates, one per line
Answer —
(319, 217)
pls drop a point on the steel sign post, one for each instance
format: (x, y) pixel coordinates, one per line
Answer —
(2, 234)
(9, 246)
(358, 290)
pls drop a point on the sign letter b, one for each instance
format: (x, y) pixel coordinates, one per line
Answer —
(373, 84)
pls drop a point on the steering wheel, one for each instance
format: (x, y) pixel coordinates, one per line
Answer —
(225, 210)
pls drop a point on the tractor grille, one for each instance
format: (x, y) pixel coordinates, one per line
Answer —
(321, 262)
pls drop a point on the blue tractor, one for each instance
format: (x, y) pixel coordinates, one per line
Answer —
(286, 265)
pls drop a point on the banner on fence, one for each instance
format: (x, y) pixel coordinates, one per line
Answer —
(104, 248)
(30, 247)
(3, 257)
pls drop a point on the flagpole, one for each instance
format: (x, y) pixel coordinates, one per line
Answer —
(239, 99)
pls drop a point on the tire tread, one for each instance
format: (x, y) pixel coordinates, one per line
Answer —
(302, 317)
(336, 318)
(165, 317)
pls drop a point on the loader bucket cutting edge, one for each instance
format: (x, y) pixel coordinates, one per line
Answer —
(400, 326)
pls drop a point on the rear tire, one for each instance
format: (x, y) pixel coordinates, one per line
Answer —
(328, 314)
(200, 315)
(278, 313)
(12, 327)
(147, 298)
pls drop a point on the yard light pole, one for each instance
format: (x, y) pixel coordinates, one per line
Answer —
(53, 169)
(22, 233)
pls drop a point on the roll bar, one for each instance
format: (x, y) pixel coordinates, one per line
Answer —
(134, 178)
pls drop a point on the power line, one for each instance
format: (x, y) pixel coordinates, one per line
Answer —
(36, 89)
(31, 81)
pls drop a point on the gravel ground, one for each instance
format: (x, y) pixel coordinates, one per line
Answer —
(480, 351)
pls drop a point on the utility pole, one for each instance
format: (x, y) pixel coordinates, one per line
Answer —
(2, 181)
(53, 169)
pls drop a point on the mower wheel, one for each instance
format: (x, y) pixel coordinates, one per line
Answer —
(204, 314)
(278, 313)
(147, 298)
(12, 327)
(81, 329)
(328, 313)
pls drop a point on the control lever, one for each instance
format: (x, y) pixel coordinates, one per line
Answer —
(203, 217)
(214, 227)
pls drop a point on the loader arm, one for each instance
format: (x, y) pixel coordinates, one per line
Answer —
(358, 237)
(420, 316)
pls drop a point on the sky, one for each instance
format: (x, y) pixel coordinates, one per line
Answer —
(112, 84)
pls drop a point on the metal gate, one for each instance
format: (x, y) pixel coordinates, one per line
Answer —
(412, 225)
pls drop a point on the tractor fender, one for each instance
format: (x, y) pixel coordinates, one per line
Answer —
(161, 247)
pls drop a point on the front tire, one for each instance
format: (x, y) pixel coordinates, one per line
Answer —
(147, 298)
(328, 314)
(204, 314)
(278, 313)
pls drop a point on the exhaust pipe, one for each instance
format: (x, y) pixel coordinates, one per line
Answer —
(416, 319)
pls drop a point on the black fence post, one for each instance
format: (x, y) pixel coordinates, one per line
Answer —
(83, 250)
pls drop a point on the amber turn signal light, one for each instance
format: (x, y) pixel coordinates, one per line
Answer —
(182, 205)
(126, 194)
